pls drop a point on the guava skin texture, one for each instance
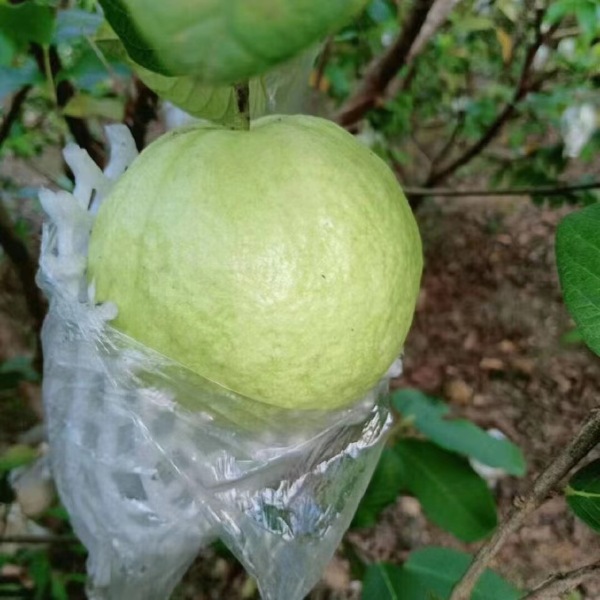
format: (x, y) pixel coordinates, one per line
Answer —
(223, 41)
(282, 263)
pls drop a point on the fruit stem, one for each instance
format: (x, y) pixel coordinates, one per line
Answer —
(242, 97)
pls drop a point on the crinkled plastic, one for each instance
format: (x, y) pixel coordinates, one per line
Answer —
(148, 482)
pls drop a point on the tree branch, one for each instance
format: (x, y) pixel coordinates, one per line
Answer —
(242, 98)
(64, 92)
(384, 68)
(38, 539)
(13, 112)
(445, 149)
(587, 438)
(524, 86)
(26, 268)
(140, 110)
(561, 583)
(520, 191)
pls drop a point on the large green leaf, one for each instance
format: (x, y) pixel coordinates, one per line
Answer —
(583, 494)
(453, 496)
(383, 582)
(385, 486)
(280, 90)
(430, 574)
(578, 259)
(429, 416)
(27, 22)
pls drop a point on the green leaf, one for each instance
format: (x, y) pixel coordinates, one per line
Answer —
(13, 79)
(583, 494)
(385, 486)
(16, 456)
(26, 23)
(7, 50)
(118, 15)
(282, 87)
(383, 582)
(453, 496)
(587, 17)
(380, 11)
(578, 260)
(73, 24)
(429, 416)
(21, 366)
(431, 573)
(84, 106)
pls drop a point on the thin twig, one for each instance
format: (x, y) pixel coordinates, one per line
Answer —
(140, 110)
(587, 438)
(445, 149)
(438, 15)
(38, 539)
(13, 112)
(242, 98)
(561, 583)
(26, 268)
(324, 57)
(384, 68)
(520, 191)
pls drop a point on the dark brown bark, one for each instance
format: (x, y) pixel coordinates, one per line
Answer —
(384, 68)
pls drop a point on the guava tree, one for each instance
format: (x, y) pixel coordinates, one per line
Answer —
(440, 90)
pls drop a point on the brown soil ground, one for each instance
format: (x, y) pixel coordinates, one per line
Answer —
(487, 338)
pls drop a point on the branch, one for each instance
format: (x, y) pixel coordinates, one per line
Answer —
(524, 86)
(64, 92)
(523, 191)
(445, 149)
(562, 583)
(438, 14)
(140, 110)
(38, 539)
(324, 57)
(383, 69)
(13, 112)
(26, 268)
(242, 98)
(587, 438)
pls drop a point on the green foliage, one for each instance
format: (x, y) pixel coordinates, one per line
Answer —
(464, 80)
(385, 486)
(430, 574)
(583, 494)
(578, 259)
(453, 496)
(16, 456)
(430, 416)
(46, 582)
(25, 23)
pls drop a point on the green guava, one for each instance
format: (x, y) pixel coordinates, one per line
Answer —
(282, 263)
(222, 41)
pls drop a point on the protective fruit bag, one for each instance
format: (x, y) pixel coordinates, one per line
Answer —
(154, 461)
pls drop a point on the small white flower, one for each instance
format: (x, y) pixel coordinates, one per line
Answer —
(577, 125)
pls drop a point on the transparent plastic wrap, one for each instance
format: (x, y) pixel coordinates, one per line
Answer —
(146, 480)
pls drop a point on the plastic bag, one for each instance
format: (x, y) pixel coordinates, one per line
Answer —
(148, 482)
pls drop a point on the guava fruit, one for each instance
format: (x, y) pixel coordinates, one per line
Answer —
(282, 262)
(222, 41)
